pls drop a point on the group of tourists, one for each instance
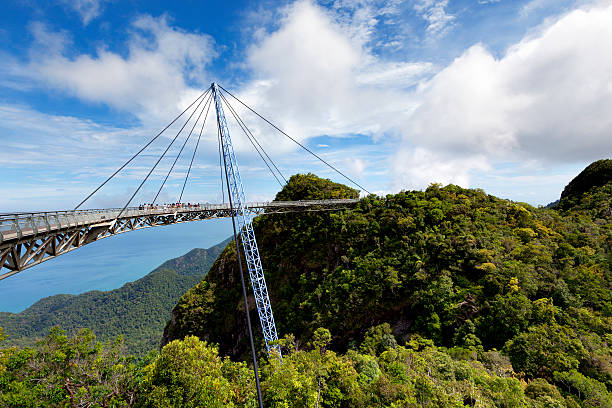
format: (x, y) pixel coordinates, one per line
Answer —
(168, 206)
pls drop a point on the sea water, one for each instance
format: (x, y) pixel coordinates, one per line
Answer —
(109, 263)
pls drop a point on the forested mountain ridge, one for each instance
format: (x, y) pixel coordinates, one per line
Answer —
(138, 310)
(457, 266)
(590, 192)
(446, 298)
(596, 174)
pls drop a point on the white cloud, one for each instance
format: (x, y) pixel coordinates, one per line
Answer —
(321, 79)
(308, 53)
(549, 98)
(355, 166)
(21, 126)
(152, 80)
(434, 12)
(536, 5)
(86, 9)
(395, 74)
(418, 168)
(465, 107)
(47, 43)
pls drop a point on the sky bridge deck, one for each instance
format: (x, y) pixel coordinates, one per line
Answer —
(29, 238)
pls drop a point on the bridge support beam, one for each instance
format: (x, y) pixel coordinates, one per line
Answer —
(27, 240)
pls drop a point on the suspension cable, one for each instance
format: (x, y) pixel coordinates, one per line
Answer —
(141, 150)
(295, 141)
(195, 150)
(246, 132)
(221, 168)
(158, 160)
(253, 136)
(244, 292)
(181, 151)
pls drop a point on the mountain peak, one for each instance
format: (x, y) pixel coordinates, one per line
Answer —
(596, 174)
(311, 187)
(590, 191)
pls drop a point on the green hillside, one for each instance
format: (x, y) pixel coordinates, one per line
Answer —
(590, 191)
(457, 266)
(137, 311)
(444, 298)
(596, 174)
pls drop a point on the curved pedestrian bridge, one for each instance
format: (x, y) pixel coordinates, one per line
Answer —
(27, 239)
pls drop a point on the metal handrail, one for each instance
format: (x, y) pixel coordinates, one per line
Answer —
(30, 223)
(202, 206)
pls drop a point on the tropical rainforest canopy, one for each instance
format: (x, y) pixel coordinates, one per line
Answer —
(447, 297)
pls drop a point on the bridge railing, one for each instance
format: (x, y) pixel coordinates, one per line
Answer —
(24, 224)
(18, 225)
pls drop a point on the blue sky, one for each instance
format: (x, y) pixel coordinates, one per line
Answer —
(510, 96)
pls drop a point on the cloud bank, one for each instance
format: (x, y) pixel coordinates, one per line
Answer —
(547, 99)
(153, 79)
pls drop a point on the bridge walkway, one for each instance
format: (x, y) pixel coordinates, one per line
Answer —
(27, 239)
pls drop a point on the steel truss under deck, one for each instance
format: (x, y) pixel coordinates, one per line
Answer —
(27, 239)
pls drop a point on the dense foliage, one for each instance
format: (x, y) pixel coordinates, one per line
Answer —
(138, 310)
(589, 192)
(76, 371)
(457, 266)
(310, 187)
(66, 371)
(597, 174)
(443, 298)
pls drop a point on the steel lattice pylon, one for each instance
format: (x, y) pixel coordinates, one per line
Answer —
(247, 235)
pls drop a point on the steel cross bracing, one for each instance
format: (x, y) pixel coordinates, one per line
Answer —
(27, 239)
(247, 235)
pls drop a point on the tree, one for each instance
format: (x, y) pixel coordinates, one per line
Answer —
(68, 371)
(315, 378)
(544, 349)
(378, 339)
(189, 373)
